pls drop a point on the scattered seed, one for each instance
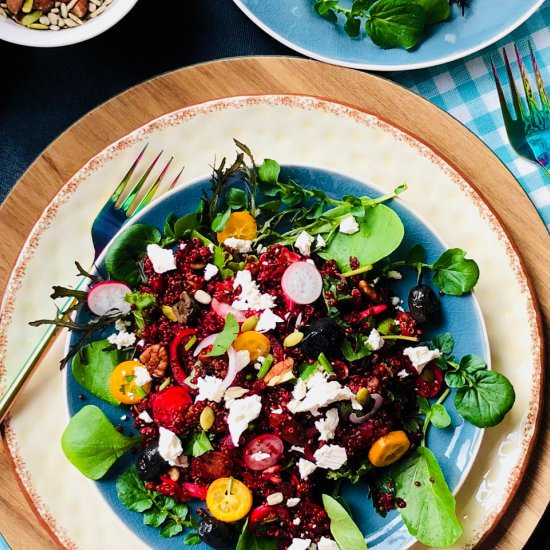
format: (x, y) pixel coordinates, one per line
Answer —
(53, 18)
(293, 339)
(61, 22)
(96, 3)
(70, 23)
(54, 10)
(363, 396)
(250, 323)
(207, 418)
(3, 12)
(64, 11)
(38, 26)
(92, 8)
(71, 4)
(27, 6)
(76, 19)
(31, 18)
(100, 9)
(45, 20)
(202, 297)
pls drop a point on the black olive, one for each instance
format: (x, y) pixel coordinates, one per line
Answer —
(150, 465)
(216, 533)
(423, 303)
(322, 336)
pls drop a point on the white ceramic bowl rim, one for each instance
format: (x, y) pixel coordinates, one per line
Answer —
(18, 34)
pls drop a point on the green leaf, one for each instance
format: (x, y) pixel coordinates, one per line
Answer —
(181, 510)
(271, 206)
(444, 343)
(132, 493)
(453, 274)
(308, 370)
(236, 199)
(395, 23)
(353, 475)
(191, 539)
(416, 255)
(269, 171)
(436, 10)
(344, 530)
(360, 6)
(141, 300)
(198, 445)
(154, 518)
(355, 348)
(220, 221)
(352, 26)
(439, 416)
(92, 444)
(454, 380)
(127, 251)
(247, 541)
(486, 402)
(324, 9)
(185, 224)
(472, 364)
(423, 405)
(94, 374)
(429, 513)
(226, 337)
(171, 529)
(380, 233)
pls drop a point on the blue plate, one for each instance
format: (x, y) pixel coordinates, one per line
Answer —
(295, 24)
(455, 447)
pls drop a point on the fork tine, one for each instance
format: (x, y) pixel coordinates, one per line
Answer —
(173, 184)
(153, 189)
(531, 103)
(130, 198)
(122, 185)
(501, 99)
(518, 106)
(540, 84)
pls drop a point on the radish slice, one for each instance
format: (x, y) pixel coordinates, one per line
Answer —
(108, 297)
(208, 341)
(302, 282)
(223, 310)
(378, 400)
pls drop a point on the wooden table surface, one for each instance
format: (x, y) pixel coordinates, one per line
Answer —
(271, 75)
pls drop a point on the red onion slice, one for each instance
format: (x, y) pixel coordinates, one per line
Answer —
(232, 369)
(208, 341)
(223, 310)
(378, 400)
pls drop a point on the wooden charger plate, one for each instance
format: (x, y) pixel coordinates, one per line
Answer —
(253, 76)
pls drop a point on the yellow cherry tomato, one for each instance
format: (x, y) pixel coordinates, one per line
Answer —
(389, 448)
(256, 343)
(122, 383)
(228, 499)
(240, 225)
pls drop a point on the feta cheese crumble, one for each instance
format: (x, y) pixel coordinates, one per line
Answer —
(211, 388)
(320, 242)
(297, 449)
(392, 274)
(170, 447)
(306, 467)
(241, 412)
(240, 245)
(300, 544)
(327, 426)
(402, 373)
(303, 243)
(349, 226)
(122, 339)
(268, 321)
(121, 324)
(163, 259)
(141, 376)
(250, 296)
(275, 498)
(296, 521)
(292, 502)
(396, 300)
(330, 457)
(421, 356)
(210, 271)
(327, 544)
(144, 416)
(375, 341)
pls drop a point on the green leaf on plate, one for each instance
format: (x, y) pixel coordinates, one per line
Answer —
(453, 273)
(444, 343)
(436, 10)
(248, 541)
(439, 416)
(344, 530)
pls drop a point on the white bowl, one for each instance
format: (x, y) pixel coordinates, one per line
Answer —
(18, 34)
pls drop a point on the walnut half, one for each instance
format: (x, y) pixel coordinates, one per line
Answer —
(155, 358)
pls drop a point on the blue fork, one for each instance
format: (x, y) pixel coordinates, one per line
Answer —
(112, 216)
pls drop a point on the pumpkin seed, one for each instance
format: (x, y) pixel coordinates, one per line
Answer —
(27, 6)
(31, 18)
(207, 418)
(293, 339)
(38, 26)
(363, 396)
(250, 323)
(168, 312)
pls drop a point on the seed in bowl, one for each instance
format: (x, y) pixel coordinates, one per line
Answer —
(51, 15)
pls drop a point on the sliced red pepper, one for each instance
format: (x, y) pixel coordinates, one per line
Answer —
(262, 517)
(373, 310)
(177, 370)
(194, 491)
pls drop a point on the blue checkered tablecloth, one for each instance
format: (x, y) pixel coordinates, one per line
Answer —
(466, 90)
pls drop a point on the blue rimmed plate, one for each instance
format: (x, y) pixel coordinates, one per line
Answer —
(295, 24)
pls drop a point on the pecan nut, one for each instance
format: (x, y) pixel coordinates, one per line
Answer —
(369, 291)
(155, 359)
(185, 308)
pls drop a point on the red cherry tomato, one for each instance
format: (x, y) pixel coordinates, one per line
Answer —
(430, 381)
(263, 451)
(262, 517)
(170, 406)
(211, 466)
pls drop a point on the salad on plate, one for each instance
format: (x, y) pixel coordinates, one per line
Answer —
(264, 359)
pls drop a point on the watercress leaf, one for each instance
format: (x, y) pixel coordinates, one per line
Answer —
(247, 541)
(423, 405)
(185, 224)
(344, 530)
(472, 363)
(439, 416)
(454, 379)
(226, 337)
(436, 10)
(181, 510)
(269, 171)
(191, 539)
(353, 475)
(236, 199)
(359, 6)
(168, 503)
(271, 206)
(169, 225)
(430, 511)
(132, 493)
(142, 300)
(171, 529)
(93, 375)
(416, 255)
(354, 348)
(352, 26)
(92, 444)
(220, 221)
(198, 445)
(314, 211)
(444, 343)
(487, 401)
(395, 23)
(127, 250)
(380, 233)
(454, 274)
(324, 9)
(292, 195)
(154, 518)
